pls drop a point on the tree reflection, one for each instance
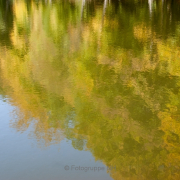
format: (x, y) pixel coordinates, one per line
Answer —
(114, 91)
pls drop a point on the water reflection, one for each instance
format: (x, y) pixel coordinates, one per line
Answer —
(104, 74)
(150, 2)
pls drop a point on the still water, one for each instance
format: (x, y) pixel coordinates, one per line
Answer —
(90, 89)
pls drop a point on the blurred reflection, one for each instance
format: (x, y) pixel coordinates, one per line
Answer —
(150, 5)
(114, 91)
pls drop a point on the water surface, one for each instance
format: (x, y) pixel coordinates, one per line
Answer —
(90, 84)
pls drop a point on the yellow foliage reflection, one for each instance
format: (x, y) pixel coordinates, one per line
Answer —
(111, 82)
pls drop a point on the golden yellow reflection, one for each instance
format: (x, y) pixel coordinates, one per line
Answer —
(114, 84)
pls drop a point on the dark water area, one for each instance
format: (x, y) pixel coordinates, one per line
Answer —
(90, 90)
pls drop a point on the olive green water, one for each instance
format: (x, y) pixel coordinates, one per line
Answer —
(90, 84)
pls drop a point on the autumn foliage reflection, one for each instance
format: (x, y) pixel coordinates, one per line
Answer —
(110, 86)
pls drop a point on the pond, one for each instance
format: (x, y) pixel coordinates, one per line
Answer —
(90, 89)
